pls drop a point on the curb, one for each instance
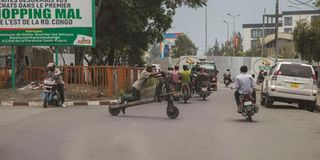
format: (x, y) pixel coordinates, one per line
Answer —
(37, 104)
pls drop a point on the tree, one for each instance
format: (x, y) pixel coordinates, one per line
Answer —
(306, 38)
(155, 50)
(184, 46)
(255, 51)
(126, 26)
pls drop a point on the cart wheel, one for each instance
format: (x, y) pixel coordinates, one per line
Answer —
(114, 111)
(173, 112)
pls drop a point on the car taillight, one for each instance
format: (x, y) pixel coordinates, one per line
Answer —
(275, 75)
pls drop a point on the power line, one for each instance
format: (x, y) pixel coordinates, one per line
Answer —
(299, 2)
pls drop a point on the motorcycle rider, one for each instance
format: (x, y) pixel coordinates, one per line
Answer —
(260, 77)
(176, 78)
(227, 76)
(138, 85)
(53, 72)
(244, 84)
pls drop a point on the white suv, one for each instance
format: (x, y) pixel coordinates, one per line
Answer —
(290, 82)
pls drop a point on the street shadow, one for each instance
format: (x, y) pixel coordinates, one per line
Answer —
(289, 107)
(243, 120)
(144, 117)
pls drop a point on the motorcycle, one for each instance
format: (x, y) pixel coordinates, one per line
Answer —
(50, 93)
(226, 80)
(248, 106)
(202, 86)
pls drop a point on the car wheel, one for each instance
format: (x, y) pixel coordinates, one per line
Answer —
(268, 101)
(311, 106)
(302, 106)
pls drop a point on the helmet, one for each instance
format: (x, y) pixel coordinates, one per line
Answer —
(51, 65)
(228, 69)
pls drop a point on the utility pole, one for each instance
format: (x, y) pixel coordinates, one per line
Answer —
(228, 36)
(206, 32)
(276, 31)
(263, 32)
(234, 27)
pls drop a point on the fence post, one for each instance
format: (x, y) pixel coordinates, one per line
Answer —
(110, 82)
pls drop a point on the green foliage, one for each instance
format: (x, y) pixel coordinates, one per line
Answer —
(306, 37)
(215, 50)
(287, 51)
(155, 50)
(184, 46)
(127, 27)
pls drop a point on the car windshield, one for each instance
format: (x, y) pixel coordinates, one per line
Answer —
(208, 66)
(296, 70)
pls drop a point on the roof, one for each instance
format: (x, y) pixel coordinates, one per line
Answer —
(301, 12)
(260, 25)
(281, 35)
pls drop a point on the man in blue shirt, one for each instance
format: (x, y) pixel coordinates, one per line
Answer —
(244, 84)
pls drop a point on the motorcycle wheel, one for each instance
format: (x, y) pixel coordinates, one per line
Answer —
(204, 97)
(114, 111)
(172, 112)
(58, 102)
(45, 101)
(249, 118)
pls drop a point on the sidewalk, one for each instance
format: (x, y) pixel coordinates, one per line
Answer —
(40, 104)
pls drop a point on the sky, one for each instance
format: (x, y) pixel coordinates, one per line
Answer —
(192, 21)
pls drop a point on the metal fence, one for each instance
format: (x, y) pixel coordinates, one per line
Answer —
(94, 81)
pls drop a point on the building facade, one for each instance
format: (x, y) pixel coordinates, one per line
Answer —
(252, 33)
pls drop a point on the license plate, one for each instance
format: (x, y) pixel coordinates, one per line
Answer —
(248, 103)
(204, 89)
(249, 108)
(294, 85)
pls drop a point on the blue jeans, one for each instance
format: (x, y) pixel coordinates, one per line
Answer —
(133, 97)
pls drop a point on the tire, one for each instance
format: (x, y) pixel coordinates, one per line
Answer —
(114, 111)
(204, 97)
(173, 112)
(268, 101)
(45, 101)
(249, 118)
(311, 106)
(302, 106)
(58, 102)
(262, 100)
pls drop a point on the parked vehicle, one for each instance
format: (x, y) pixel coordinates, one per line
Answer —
(290, 82)
(248, 106)
(50, 93)
(226, 80)
(201, 86)
(211, 69)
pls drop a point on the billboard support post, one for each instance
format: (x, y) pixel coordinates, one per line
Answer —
(13, 70)
(57, 55)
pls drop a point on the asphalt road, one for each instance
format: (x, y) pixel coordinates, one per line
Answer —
(205, 130)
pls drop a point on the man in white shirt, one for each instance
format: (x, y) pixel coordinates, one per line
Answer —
(244, 84)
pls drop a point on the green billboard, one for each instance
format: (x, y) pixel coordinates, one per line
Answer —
(47, 23)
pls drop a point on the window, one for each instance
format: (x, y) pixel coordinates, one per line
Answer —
(253, 44)
(296, 70)
(314, 18)
(256, 33)
(269, 31)
(288, 30)
(288, 21)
